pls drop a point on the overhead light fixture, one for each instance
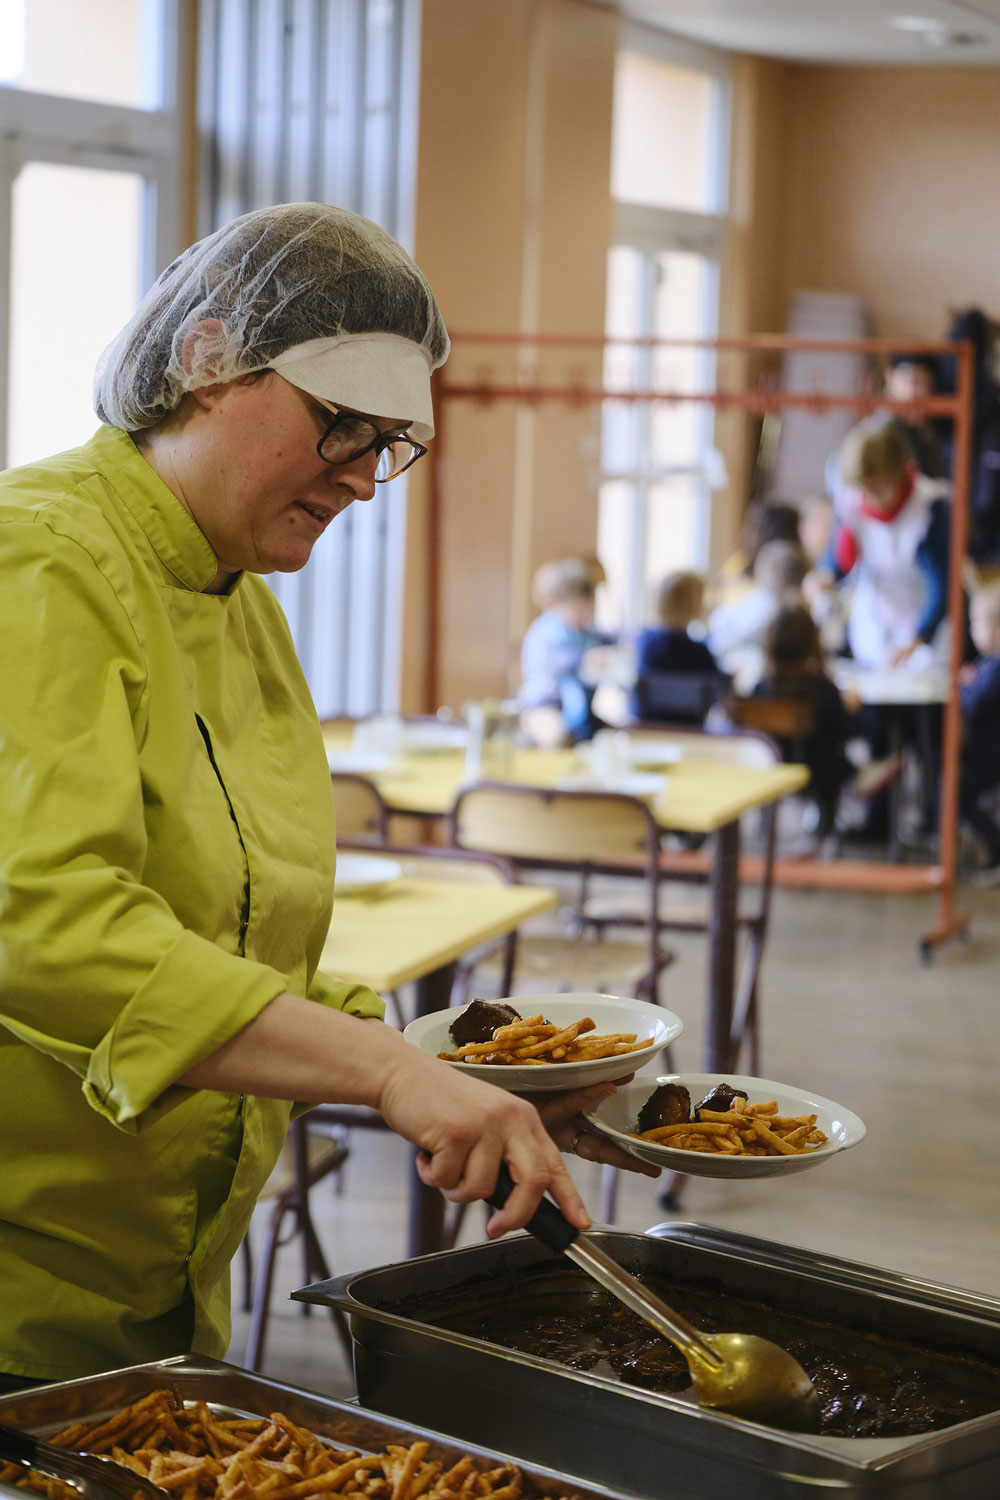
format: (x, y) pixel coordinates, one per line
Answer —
(934, 32)
(921, 24)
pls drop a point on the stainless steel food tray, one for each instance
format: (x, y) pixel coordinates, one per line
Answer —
(45, 1408)
(661, 1445)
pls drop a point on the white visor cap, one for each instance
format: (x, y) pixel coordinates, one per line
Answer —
(380, 374)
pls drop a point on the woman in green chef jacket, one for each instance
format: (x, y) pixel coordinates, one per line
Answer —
(166, 828)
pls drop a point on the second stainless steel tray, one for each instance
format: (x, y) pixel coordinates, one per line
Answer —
(43, 1409)
(668, 1448)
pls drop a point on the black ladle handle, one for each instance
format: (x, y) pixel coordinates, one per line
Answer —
(547, 1223)
(17, 1447)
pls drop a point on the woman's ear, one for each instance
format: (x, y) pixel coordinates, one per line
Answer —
(203, 350)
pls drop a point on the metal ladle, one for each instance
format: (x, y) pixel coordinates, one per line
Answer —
(735, 1373)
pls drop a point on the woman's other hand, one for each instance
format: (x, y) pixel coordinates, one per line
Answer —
(563, 1116)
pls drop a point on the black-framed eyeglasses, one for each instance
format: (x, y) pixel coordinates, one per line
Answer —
(349, 436)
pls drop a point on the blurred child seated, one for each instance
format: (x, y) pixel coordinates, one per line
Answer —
(560, 655)
(794, 669)
(763, 521)
(827, 605)
(980, 764)
(736, 630)
(668, 651)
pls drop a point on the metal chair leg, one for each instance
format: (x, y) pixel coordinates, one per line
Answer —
(293, 1199)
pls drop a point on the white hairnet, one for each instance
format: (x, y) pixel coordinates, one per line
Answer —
(319, 293)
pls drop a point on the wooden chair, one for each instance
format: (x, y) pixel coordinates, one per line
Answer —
(538, 828)
(678, 697)
(434, 863)
(305, 1160)
(362, 816)
(736, 747)
(791, 719)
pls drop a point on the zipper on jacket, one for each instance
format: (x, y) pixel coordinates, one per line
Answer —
(245, 913)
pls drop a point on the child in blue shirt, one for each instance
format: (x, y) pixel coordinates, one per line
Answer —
(670, 648)
(555, 699)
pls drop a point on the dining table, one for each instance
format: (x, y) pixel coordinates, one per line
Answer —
(698, 796)
(413, 930)
(910, 698)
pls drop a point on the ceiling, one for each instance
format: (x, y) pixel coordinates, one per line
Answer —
(923, 33)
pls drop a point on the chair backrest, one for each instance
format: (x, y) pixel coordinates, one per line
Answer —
(551, 827)
(789, 718)
(438, 862)
(742, 747)
(678, 697)
(362, 815)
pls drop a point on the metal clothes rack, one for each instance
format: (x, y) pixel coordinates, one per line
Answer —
(765, 398)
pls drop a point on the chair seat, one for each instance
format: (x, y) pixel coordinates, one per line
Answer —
(304, 1161)
(576, 963)
(631, 908)
(323, 1155)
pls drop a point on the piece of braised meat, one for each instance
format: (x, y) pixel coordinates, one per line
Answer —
(720, 1098)
(479, 1020)
(670, 1104)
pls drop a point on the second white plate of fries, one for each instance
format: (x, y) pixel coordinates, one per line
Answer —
(558, 1042)
(774, 1131)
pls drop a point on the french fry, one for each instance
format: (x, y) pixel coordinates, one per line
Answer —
(530, 1042)
(684, 1127)
(199, 1455)
(772, 1138)
(743, 1130)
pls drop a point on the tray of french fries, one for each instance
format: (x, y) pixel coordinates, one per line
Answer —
(548, 1042)
(757, 1128)
(204, 1430)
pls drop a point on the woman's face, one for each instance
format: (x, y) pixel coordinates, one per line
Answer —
(266, 496)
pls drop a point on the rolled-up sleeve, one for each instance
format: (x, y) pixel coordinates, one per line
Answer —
(355, 999)
(97, 968)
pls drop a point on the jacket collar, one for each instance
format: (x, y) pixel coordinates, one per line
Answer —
(174, 536)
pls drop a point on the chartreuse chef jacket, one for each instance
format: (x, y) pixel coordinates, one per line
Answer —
(166, 870)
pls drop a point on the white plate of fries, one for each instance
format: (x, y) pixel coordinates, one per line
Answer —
(357, 873)
(811, 1129)
(571, 1041)
(627, 783)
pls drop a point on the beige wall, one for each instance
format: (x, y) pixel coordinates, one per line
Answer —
(890, 190)
(512, 231)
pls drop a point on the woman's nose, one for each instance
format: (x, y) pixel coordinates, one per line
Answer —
(358, 474)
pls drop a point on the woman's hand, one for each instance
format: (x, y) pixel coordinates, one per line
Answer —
(563, 1118)
(296, 1049)
(466, 1128)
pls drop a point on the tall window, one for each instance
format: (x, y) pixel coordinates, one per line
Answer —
(88, 196)
(668, 182)
(317, 99)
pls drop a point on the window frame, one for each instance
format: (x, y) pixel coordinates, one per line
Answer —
(652, 231)
(57, 129)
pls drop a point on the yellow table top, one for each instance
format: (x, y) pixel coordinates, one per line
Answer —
(406, 929)
(700, 795)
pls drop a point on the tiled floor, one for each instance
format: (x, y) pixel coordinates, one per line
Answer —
(849, 1013)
